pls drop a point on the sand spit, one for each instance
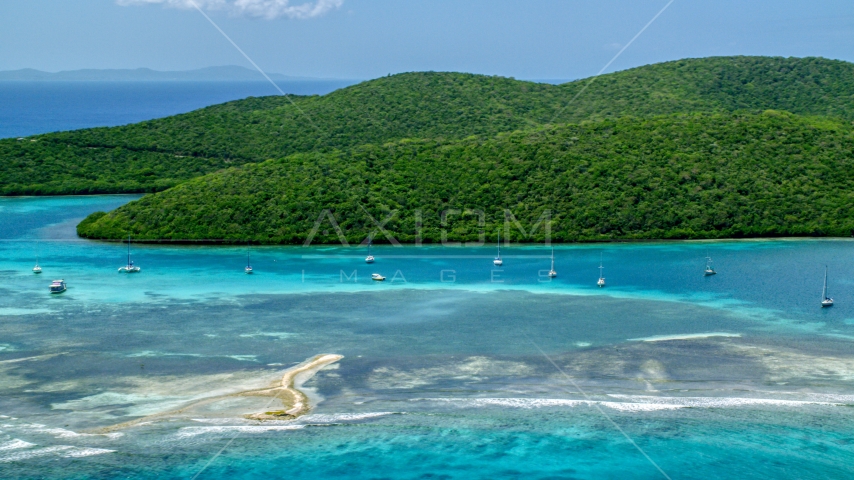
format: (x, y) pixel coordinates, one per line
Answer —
(288, 391)
(294, 402)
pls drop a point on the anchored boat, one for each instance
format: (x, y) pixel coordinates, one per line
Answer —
(498, 262)
(552, 272)
(825, 300)
(58, 286)
(369, 258)
(709, 270)
(248, 268)
(130, 267)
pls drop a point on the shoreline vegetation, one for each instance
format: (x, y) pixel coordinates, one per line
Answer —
(698, 176)
(486, 244)
(295, 403)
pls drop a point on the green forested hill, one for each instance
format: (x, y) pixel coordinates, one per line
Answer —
(48, 168)
(160, 153)
(675, 176)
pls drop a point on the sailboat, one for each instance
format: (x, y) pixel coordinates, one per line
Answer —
(248, 268)
(369, 258)
(498, 262)
(825, 300)
(709, 270)
(37, 268)
(601, 281)
(130, 267)
(552, 272)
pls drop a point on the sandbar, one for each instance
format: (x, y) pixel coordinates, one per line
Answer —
(294, 402)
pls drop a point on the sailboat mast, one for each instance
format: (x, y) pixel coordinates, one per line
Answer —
(128, 249)
(824, 289)
(499, 243)
(553, 258)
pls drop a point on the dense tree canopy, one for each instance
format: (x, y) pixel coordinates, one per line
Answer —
(672, 176)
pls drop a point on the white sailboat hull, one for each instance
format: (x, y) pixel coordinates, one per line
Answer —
(825, 300)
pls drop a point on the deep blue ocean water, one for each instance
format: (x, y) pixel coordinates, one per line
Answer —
(29, 108)
(452, 368)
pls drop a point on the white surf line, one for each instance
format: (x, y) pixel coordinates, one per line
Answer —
(598, 406)
(193, 3)
(590, 82)
(37, 357)
(685, 336)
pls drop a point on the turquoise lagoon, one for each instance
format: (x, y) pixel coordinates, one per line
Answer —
(452, 368)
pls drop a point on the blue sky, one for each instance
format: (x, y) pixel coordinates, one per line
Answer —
(533, 39)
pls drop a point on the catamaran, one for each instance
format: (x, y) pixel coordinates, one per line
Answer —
(825, 300)
(130, 267)
(709, 270)
(369, 258)
(498, 262)
(601, 281)
(58, 286)
(37, 268)
(552, 272)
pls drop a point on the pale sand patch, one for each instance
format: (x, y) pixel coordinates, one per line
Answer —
(471, 369)
(295, 403)
(786, 365)
(9, 380)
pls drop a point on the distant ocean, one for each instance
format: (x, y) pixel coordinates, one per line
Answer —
(29, 108)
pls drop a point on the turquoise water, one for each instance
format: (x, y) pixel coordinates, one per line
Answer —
(452, 368)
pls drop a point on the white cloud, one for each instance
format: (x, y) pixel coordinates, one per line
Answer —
(268, 9)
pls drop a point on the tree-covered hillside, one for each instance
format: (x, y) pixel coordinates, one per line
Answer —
(675, 176)
(48, 168)
(156, 154)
